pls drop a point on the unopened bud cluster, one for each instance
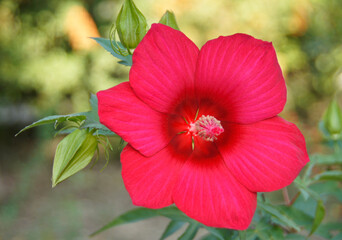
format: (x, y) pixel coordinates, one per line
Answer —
(131, 25)
(332, 120)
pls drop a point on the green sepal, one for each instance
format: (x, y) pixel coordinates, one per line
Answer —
(169, 19)
(73, 154)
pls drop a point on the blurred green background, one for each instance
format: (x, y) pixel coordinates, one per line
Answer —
(48, 65)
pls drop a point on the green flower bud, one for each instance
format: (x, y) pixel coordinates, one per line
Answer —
(332, 119)
(131, 25)
(73, 154)
(169, 19)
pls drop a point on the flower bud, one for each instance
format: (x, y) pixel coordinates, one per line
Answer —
(73, 154)
(169, 19)
(332, 119)
(131, 25)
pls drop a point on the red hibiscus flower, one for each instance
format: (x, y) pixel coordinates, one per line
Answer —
(201, 126)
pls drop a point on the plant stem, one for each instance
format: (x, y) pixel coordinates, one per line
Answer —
(286, 196)
(242, 235)
(294, 199)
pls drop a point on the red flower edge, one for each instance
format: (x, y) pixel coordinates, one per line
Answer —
(201, 126)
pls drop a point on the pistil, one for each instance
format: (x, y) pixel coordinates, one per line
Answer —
(206, 127)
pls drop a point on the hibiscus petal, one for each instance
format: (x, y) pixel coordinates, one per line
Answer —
(150, 180)
(207, 192)
(163, 68)
(242, 74)
(138, 124)
(264, 156)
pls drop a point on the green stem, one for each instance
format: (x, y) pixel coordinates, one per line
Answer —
(286, 196)
(337, 148)
(242, 235)
(294, 199)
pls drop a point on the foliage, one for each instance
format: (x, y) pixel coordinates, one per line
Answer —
(289, 221)
(41, 65)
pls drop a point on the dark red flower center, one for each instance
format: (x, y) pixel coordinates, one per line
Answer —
(197, 126)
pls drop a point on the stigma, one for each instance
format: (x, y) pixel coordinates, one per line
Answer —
(206, 127)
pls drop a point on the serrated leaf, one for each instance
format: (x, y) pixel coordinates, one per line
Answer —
(173, 227)
(335, 175)
(280, 216)
(190, 232)
(56, 119)
(319, 215)
(106, 44)
(73, 154)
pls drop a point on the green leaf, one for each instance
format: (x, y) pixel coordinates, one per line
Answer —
(299, 217)
(106, 44)
(306, 206)
(73, 154)
(173, 227)
(138, 214)
(174, 213)
(93, 114)
(209, 237)
(129, 217)
(190, 232)
(305, 190)
(337, 237)
(319, 215)
(328, 188)
(278, 215)
(56, 119)
(294, 236)
(329, 175)
(327, 230)
(220, 233)
(326, 159)
(266, 231)
(93, 120)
